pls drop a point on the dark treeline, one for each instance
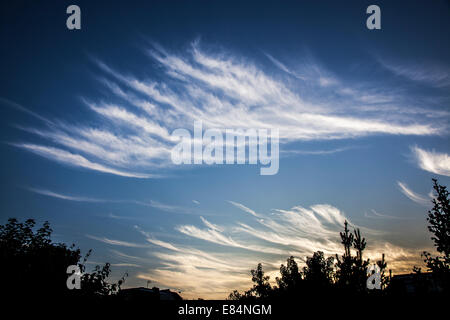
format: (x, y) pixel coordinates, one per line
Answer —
(35, 268)
(320, 275)
(344, 275)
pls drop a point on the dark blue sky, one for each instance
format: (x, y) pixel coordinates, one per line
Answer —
(363, 118)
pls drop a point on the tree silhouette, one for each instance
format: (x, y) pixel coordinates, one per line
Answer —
(261, 287)
(95, 283)
(235, 295)
(290, 276)
(318, 271)
(439, 226)
(382, 264)
(30, 260)
(359, 273)
(345, 266)
(351, 271)
(33, 266)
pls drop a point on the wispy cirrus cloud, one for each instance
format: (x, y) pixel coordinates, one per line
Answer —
(376, 215)
(317, 152)
(432, 161)
(131, 134)
(12, 104)
(147, 203)
(215, 234)
(64, 196)
(413, 195)
(115, 242)
(430, 74)
(77, 160)
(283, 67)
(169, 207)
(244, 208)
(133, 265)
(128, 258)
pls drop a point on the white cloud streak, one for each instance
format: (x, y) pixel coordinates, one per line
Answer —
(432, 161)
(432, 75)
(117, 242)
(376, 215)
(52, 194)
(76, 160)
(283, 67)
(151, 203)
(317, 152)
(244, 208)
(413, 195)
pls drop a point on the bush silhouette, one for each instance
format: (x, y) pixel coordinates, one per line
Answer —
(34, 267)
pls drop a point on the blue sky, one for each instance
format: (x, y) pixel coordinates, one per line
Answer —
(87, 117)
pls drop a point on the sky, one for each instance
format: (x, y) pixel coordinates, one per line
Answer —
(87, 122)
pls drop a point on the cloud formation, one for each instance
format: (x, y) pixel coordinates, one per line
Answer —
(413, 195)
(432, 75)
(115, 242)
(76, 160)
(147, 203)
(52, 194)
(376, 215)
(432, 161)
(213, 271)
(129, 131)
